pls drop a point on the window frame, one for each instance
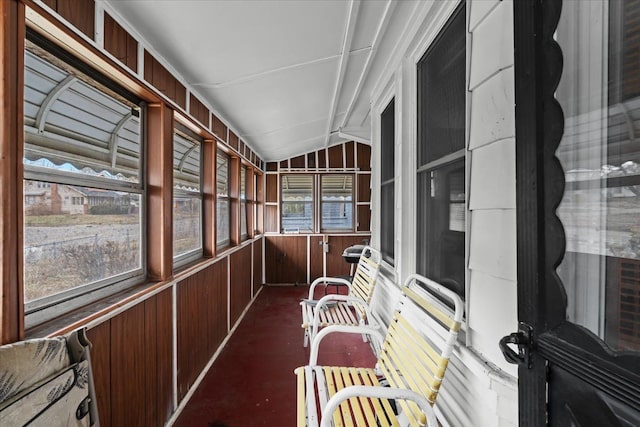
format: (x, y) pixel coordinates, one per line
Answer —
(443, 161)
(226, 243)
(321, 202)
(312, 203)
(42, 309)
(191, 255)
(387, 183)
(244, 202)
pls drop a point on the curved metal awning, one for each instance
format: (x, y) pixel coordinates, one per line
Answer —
(74, 126)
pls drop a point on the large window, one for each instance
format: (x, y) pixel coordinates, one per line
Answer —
(387, 182)
(223, 214)
(83, 192)
(336, 202)
(187, 196)
(441, 157)
(297, 203)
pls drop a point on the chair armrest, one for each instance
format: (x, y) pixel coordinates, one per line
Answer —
(378, 392)
(315, 342)
(325, 280)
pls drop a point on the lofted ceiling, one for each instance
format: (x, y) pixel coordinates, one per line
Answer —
(288, 76)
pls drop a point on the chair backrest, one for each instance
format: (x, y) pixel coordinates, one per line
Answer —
(364, 278)
(420, 338)
(48, 380)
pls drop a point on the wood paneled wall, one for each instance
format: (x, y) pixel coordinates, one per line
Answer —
(257, 267)
(156, 74)
(80, 13)
(131, 358)
(132, 351)
(198, 110)
(286, 258)
(120, 43)
(201, 304)
(240, 282)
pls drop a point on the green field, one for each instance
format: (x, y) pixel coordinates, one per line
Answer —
(66, 220)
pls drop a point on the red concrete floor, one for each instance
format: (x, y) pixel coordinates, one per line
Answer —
(252, 382)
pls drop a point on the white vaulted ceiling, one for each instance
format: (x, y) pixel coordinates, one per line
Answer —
(274, 70)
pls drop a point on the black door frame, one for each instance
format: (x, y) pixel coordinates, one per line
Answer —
(542, 300)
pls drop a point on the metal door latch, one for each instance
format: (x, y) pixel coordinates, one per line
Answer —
(524, 340)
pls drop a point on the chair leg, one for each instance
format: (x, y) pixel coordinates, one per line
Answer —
(306, 337)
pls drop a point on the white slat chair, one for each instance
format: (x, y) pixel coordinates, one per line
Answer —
(414, 357)
(334, 309)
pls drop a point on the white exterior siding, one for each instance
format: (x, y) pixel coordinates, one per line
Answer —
(480, 388)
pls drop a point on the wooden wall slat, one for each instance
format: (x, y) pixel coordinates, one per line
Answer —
(159, 77)
(198, 110)
(315, 257)
(322, 159)
(335, 156)
(284, 164)
(181, 96)
(120, 43)
(270, 219)
(349, 150)
(150, 364)
(298, 162)
(364, 218)
(364, 157)
(364, 188)
(128, 360)
(336, 265)
(311, 160)
(164, 351)
(257, 265)
(192, 331)
(286, 257)
(233, 140)
(100, 338)
(201, 327)
(272, 167)
(240, 282)
(219, 128)
(80, 13)
(272, 188)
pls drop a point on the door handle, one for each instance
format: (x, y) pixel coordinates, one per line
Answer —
(523, 340)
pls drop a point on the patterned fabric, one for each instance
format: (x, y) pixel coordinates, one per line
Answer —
(26, 363)
(40, 386)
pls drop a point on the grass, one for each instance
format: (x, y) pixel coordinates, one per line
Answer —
(66, 220)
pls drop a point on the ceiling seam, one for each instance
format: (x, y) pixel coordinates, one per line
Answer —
(382, 28)
(350, 26)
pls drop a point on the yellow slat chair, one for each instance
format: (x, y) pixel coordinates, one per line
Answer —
(351, 309)
(402, 388)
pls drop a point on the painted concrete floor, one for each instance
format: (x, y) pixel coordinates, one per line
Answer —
(252, 382)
